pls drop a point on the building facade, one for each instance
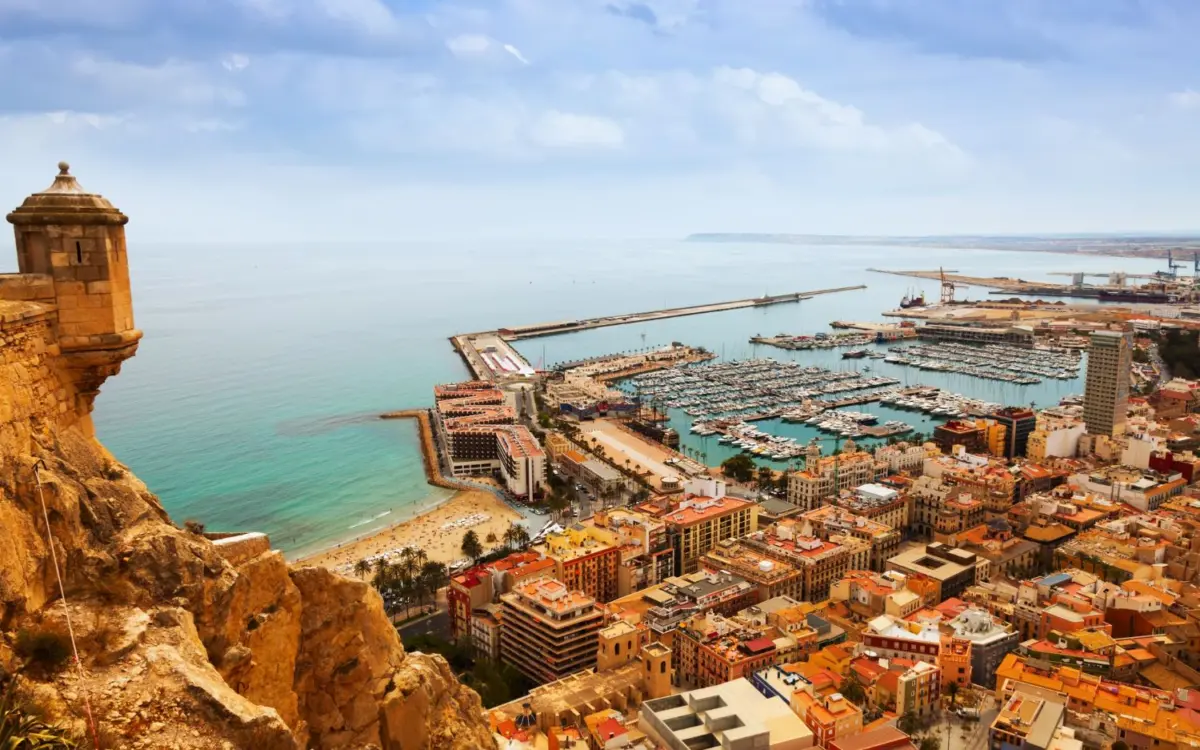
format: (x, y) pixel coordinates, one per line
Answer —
(1106, 392)
(548, 631)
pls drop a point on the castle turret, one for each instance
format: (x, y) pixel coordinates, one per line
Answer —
(659, 672)
(71, 247)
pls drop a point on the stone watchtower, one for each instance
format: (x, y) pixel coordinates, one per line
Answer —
(71, 255)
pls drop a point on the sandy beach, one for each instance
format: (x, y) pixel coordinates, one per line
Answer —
(439, 532)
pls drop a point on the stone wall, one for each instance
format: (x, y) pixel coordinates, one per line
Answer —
(38, 396)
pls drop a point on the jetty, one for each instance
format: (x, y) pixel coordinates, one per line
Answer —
(490, 356)
(514, 333)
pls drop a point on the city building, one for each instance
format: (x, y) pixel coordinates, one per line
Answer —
(477, 433)
(876, 502)
(825, 476)
(585, 559)
(548, 631)
(646, 556)
(1019, 423)
(893, 638)
(773, 577)
(1028, 720)
(918, 688)
(1012, 335)
(994, 541)
(830, 717)
(584, 468)
(954, 659)
(868, 594)
(991, 640)
(974, 436)
(733, 716)
(886, 737)
(697, 524)
(1106, 393)
(1056, 436)
(485, 631)
(1143, 489)
(663, 607)
(901, 458)
(467, 592)
(820, 561)
(953, 569)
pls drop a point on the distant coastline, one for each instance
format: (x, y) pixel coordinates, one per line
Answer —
(1128, 246)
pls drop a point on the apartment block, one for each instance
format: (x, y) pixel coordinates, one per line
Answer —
(548, 631)
(1106, 390)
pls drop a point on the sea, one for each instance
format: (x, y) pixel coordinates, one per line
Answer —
(253, 401)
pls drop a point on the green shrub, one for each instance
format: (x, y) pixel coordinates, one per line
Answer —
(21, 729)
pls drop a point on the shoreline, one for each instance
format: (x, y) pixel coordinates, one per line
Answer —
(437, 530)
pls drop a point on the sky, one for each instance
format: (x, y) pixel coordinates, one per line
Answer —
(387, 120)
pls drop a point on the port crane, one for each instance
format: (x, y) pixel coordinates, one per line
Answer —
(1173, 265)
(947, 288)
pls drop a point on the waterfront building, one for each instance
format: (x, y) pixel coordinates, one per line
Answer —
(902, 458)
(1019, 423)
(585, 559)
(584, 468)
(974, 436)
(826, 476)
(990, 639)
(697, 524)
(833, 520)
(1106, 394)
(821, 561)
(475, 425)
(548, 631)
(733, 715)
(878, 503)
(1013, 335)
(952, 569)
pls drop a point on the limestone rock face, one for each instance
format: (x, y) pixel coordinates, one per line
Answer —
(179, 648)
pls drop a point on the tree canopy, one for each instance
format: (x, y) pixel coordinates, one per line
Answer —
(740, 467)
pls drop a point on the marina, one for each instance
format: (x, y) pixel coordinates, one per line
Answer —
(990, 361)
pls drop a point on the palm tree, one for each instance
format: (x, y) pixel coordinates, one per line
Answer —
(361, 568)
(558, 504)
(952, 689)
(471, 546)
(433, 576)
(515, 536)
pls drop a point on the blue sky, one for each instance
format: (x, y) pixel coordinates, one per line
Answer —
(278, 120)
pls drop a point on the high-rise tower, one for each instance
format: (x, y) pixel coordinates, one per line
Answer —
(1106, 396)
(71, 254)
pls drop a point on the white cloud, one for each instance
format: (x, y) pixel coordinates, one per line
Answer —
(235, 62)
(173, 81)
(510, 49)
(557, 129)
(1186, 99)
(469, 45)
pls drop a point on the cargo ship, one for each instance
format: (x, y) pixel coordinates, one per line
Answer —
(1135, 295)
(912, 299)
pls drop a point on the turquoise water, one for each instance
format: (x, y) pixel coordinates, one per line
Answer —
(251, 403)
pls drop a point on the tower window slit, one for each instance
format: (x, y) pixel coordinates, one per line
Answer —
(78, 252)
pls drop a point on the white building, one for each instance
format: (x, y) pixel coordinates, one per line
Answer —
(731, 716)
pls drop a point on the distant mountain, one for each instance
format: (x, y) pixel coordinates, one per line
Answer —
(1184, 247)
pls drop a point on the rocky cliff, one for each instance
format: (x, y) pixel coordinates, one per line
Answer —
(183, 644)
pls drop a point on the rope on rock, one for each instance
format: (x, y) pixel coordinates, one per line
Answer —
(87, 704)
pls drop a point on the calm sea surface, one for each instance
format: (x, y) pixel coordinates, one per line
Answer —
(251, 403)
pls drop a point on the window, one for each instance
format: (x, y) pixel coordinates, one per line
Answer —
(78, 252)
(617, 649)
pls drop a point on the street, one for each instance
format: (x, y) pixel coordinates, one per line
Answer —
(966, 734)
(437, 624)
